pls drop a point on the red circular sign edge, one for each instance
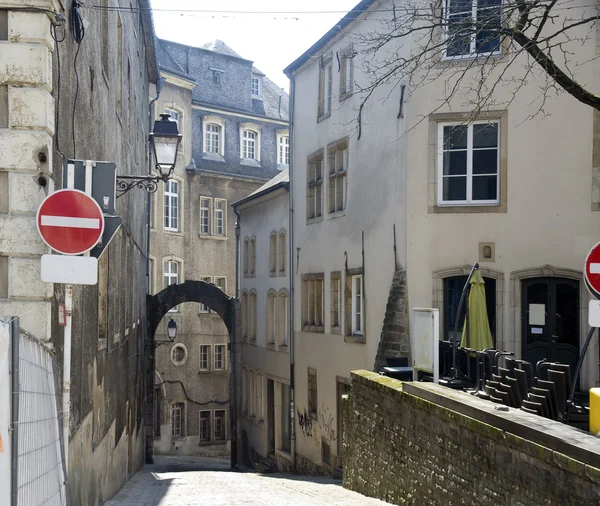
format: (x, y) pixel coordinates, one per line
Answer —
(37, 220)
(590, 285)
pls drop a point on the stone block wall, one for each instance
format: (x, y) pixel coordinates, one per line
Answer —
(404, 449)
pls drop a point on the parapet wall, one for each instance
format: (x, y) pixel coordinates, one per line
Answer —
(423, 444)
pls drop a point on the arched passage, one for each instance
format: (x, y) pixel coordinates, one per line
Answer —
(158, 306)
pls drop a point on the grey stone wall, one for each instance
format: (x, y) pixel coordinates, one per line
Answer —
(406, 450)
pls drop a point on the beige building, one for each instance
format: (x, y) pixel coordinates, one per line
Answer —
(395, 219)
(234, 121)
(264, 419)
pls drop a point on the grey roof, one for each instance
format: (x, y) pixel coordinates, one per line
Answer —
(281, 180)
(234, 169)
(219, 46)
(352, 15)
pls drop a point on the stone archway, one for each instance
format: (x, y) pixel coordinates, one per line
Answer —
(157, 307)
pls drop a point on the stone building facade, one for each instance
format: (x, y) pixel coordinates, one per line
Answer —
(63, 97)
(377, 234)
(232, 118)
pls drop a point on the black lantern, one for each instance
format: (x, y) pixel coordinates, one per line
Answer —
(172, 330)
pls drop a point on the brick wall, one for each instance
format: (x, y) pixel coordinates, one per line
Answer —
(405, 449)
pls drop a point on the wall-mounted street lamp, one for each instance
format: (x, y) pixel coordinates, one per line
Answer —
(171, 334)
(164, 141)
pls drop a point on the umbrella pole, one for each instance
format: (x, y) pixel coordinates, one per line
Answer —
(460, 304)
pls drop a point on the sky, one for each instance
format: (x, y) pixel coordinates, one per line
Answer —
(272, 41)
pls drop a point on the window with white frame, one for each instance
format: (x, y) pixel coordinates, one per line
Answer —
(220, 357)
(338, 169)
(172, 205)
(221, 283)
(357, 305)
(205, 210)
(283, 150)
(205, 417)
(336, 301)
(468, 163)
(252, 259)
(220, 425)
(281, 253)
(271, 306)
(314, 189)
(212, 138)
(171, 277)
(204, 357)
(174, 115)
(256, 86)
(312, 302)
(273, 254)
(249, 144)
(325, 86)
(246, 257)
(203, 307)
(245, 315)
(178, 419)
(473, 27)
(346, 71)
(220, 217)
(282, 319)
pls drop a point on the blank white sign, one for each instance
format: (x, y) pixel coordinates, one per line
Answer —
(424, 340)
(70, 270)
(594, 313)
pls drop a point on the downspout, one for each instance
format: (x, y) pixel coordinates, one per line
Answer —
(233, 408)
(291, 264)
(149, 344)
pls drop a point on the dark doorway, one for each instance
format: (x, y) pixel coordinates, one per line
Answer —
(271, 415)
(550, 320)
(342, 388)
(453, 288)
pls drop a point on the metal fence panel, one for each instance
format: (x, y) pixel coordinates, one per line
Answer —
(40, 464)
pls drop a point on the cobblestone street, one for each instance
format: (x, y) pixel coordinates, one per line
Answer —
(185, 481)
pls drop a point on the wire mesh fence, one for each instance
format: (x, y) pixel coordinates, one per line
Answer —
(39, 463)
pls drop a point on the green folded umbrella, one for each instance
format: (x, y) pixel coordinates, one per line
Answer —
(480, 336)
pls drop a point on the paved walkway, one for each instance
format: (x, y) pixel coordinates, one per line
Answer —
(183, 481)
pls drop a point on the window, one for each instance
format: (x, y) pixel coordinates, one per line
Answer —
(174, 115)
(312, 392)
(357, 305)
(249, 144)
(336, 302)
(245, 390)
(453, 287)
(172, 205)
(221, 282)
(220, 217)
(325, 86)
(246, 257)
(213, 139)
(473, 27)
(203, 307)
(281, 253)
(468, 163)
(217, 77)
(171, 277)
(259, 397)
(245, 315)
(178, 354)
(286, 443)
(256, 86)
(314, 190)
(252, 317)
(204, 357)
(205, 426)
(338, 165)
(252, 393)
(252, 259)
(273, 253)
(271, 298)
(220, 427)
(282, 319)
(283, 150)
(346, 71)
(312, 302)
(205, 206)
(220, 357)
(177, 419)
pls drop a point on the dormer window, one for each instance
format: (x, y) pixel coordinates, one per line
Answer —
(256, 87)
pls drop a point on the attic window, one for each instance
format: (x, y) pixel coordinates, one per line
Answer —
(217, 75)
(256, 86)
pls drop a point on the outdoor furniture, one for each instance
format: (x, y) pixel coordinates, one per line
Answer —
(551, 388)
(540, 400)
(542, 392)
(516, 392)
(560, 384)
(397, 368)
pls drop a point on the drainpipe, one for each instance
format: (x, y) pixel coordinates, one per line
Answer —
(233, 347)
(291, 264)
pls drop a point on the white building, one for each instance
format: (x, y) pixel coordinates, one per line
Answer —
(264, 299)
(377, 230)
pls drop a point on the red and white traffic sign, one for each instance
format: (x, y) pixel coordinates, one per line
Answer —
(70, 222)
(592, 271)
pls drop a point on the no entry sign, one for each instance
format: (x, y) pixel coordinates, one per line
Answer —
(592, 271)
(70, 222)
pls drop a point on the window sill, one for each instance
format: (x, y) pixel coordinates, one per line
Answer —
(250, 162)
(467, 208)
(252, 419)
(272, 274)
(344, 96)
(102, 345)
(173, 232)
(215, 237)
(282, 274)
(323, 117)
(355, 339)
(270, 346)
(468, 58)
(252, 341)
(204, 371)
(336, 330)
(215, 157)
(317, 329)
(337, 214)
(283, 166)
(318, 219)
(284, 348)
